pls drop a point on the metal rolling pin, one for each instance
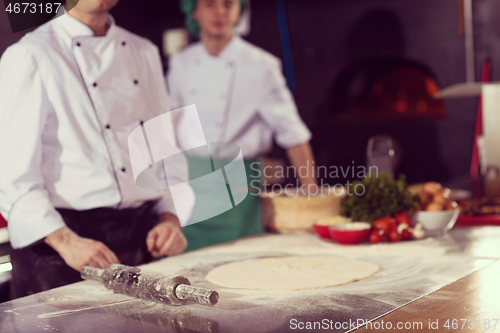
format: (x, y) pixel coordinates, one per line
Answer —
(169, 289)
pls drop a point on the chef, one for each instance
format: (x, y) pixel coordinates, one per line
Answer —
(242, 98)
(71, 92)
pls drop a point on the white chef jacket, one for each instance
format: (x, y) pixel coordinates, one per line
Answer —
(241, 97)
(68, 102)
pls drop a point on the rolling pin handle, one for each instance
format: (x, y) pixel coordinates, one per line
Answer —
(196, 294)
(91, 273)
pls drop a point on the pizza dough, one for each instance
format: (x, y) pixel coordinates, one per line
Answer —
(291, 273)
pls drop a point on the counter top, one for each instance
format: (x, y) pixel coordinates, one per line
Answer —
(412, 273)
(471, 304)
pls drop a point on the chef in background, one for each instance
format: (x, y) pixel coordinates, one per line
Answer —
(242, 98)
(71, 92)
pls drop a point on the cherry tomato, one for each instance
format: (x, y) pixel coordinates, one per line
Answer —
(376, 236)
(385, 223)
(406, 234)
(394, 236)
(402, 217)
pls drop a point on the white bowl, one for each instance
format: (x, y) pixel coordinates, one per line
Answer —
(436, 223)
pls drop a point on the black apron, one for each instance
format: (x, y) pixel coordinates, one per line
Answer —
(38, 267)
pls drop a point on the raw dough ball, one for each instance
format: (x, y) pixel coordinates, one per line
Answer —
(290, 273)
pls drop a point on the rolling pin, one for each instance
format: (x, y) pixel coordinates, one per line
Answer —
(151, 286)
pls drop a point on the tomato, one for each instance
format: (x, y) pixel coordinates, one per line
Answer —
(376, 236)
(402, 217)
(394, 236)
(406, 234)
(385, 223)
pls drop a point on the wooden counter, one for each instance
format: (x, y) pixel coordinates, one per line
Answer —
(462, 306)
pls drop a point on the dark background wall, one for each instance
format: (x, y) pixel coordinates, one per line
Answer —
(318, 33)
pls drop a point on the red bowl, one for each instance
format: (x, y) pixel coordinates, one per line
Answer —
(350, 233)
(322, 231)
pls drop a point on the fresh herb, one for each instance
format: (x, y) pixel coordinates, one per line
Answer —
(378, 197)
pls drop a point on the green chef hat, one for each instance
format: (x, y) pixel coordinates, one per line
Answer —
(188, 6)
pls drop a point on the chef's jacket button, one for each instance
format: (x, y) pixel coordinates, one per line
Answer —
(124, 43)
(107, 126)
(78, 44)
(141, 122)
(123, 169)
(197, 62)
(94, 84)
(229, 65)
(192, 92)
(218, 124)
(136, 82)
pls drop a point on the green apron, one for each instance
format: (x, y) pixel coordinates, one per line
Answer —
(243, 220)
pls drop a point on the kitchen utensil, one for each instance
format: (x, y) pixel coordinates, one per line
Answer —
(350, 233)
(322, 231)
(169, 289)
(322, 225)
(381, 154)
(289, 210)
(436, 223)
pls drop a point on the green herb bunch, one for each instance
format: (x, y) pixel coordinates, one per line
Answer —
(382, 196)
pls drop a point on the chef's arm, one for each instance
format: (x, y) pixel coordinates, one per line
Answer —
(24, 107)
(24, 201)
(166, 238)
(278, 110)
(302, 159)
(171, 218)
(174, 210)
(79, 251)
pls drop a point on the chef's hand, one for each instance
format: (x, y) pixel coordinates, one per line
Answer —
(166, 238)
(78, 251)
